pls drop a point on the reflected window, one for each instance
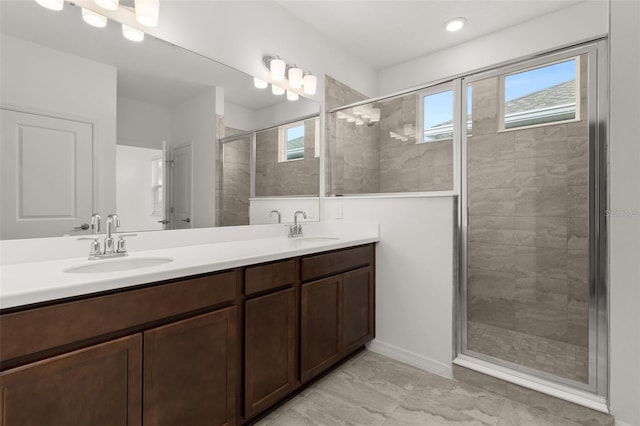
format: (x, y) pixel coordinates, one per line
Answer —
(437, 116)
(291, 144)
(540, 95)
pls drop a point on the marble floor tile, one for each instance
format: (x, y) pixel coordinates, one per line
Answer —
(373, 390)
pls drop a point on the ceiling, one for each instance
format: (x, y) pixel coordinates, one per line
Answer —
(384, 33)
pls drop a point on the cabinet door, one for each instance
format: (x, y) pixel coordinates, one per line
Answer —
(190, 371)
(270, 344)
(98, 386)
(320, 312)
(357, 308)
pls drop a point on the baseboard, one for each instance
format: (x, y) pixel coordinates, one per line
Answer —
(416, 360)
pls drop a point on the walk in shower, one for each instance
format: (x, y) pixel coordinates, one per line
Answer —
(533, 293)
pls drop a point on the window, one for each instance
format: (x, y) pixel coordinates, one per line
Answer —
(541, 95)
(156, 187)
(437, 116)
(291, 140)
(291, 144)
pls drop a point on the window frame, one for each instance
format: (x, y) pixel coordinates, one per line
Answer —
(282, 141)
(502, 93)
(430, 91)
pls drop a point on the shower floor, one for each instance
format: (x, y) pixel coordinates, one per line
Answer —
(548, 355)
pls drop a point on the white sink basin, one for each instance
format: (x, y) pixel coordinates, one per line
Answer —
(117, 265)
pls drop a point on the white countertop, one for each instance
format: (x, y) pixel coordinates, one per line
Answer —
(41, 281)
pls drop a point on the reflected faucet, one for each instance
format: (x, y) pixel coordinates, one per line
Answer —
(276, 212)
(295, 230)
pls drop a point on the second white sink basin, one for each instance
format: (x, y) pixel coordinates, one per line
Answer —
(116, 265)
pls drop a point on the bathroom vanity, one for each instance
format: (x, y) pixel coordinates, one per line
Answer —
(216, 348)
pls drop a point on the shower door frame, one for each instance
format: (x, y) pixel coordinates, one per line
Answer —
(596, 388)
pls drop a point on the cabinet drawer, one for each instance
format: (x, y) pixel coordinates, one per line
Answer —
(323, 265)
(65, 323)
(269, 276)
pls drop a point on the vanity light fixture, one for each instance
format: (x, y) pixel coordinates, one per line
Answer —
(107, 4)
(292, 96)
(276, 67)
(310, 83)
(295, 77)
(455, 24)
(277, 90)
(131, 33)
(94, 19)
(51, 4)
(260, 83)
(147, 12)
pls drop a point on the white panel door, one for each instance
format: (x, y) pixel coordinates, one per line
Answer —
(181, 188)
(47, 175)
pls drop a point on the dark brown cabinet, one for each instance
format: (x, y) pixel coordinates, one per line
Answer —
(320, 311)
(189, 371)
(99, 385)
(213, 349)
(338, 312)
(270, 350)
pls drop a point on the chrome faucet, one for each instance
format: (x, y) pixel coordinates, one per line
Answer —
(113, 223)
(276, 212)
(295, 230)
(111, 248)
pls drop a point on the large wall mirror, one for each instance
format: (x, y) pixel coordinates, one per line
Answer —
(93, 122)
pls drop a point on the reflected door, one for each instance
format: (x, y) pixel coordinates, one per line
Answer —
(181, 188)
(47, 176)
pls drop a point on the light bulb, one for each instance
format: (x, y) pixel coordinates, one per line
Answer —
(295, 77)
(94, 19)
(292, 96)
(277, 90)
(132, 33)
(147, 12)
(51, 4)
(310, 83)
(277, 67)
(259, 83)
(375, 115)
(107, 4)
(455, 24)
(359, 122)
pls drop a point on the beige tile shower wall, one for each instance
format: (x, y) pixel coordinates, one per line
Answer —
(236, 180)
(528, 222)
(411, 166)
(288, 178)
(366, 159)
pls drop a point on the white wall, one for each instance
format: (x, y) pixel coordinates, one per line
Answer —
(50, 82)
(414, 275)
(624, 235)
(567, 26)
(133, 189)
(143, 124)
(224, 31)
(283, 112)
(238, 117)
(194, 122)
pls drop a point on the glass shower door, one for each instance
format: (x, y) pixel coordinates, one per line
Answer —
(529, 287)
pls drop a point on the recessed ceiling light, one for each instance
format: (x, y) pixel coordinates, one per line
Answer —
(455, 24)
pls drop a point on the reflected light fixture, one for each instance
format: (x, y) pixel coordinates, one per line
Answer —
(51, 4)
(260, 83)
(277, 90)
(295, 77)
(147, 12)
(310, 83)
(292, 96)
(94, 19)
(132, 33)
(455, 24)
(107, 4)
